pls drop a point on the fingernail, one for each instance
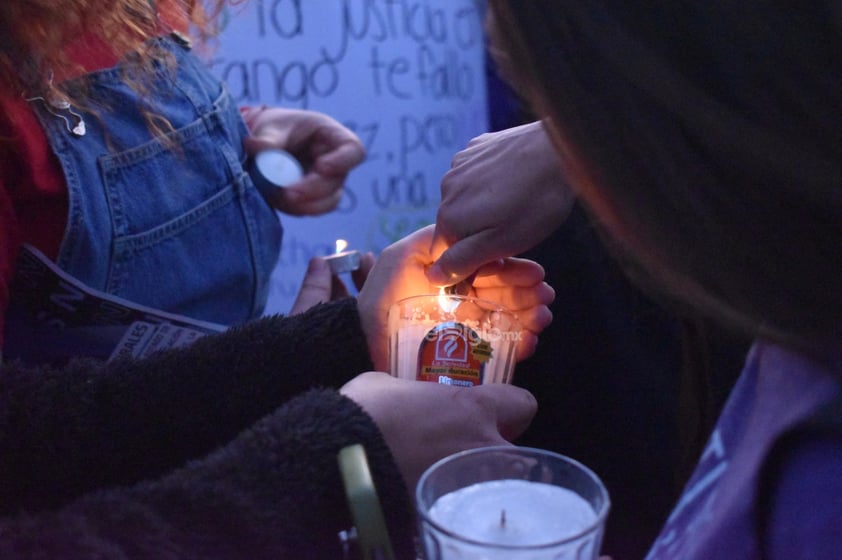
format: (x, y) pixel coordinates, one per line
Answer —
(317, 264)
(439, 278)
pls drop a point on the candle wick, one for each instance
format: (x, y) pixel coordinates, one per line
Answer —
(502, 518)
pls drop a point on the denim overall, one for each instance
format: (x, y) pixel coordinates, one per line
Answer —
(178, 224)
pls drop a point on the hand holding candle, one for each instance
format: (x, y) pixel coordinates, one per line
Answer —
(327, 150)
(400, 272)
(424, 422)
(321, 283)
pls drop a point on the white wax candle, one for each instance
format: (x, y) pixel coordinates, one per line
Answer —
(409, 339)
(346, 261)
(511, 513)
(277, 168)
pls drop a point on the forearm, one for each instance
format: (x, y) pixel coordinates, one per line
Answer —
(90, 425)
(275, 491)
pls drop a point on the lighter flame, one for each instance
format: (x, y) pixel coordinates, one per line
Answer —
(341, 244)
(447, 303)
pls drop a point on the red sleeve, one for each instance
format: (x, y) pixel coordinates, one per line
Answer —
(33, 192)
(9, 243)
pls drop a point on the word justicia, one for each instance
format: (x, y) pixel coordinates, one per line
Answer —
(474, 336)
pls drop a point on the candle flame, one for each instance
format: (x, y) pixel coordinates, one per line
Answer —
(341, 244)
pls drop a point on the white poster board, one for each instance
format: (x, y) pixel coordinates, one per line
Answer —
(407, 76)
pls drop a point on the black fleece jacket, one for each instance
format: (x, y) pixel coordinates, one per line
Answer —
(224, 449)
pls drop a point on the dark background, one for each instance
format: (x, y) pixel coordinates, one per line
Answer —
(610, 375)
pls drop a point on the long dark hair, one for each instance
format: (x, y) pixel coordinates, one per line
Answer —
(706, 139)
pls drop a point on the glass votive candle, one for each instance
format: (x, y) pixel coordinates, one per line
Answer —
(452, 339)
(512, 503)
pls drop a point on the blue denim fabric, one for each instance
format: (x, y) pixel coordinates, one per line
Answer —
(177, 224)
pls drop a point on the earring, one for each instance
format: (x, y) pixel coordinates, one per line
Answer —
(64, 105)
(75, 124)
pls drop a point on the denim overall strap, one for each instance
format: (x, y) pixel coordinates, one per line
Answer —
(172, 222)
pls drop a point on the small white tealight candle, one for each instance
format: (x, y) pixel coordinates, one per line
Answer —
(511, 513)
(342, 260)
(276, 169)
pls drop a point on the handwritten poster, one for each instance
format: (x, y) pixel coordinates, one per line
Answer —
(406, 75)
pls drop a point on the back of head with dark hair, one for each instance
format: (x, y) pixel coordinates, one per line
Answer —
(706, 140)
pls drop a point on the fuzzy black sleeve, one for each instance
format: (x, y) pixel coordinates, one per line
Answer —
(273, 492)
(90, 425)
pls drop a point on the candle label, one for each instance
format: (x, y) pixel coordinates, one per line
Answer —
(453, 354)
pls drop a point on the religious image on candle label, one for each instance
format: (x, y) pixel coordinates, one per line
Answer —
(453, 354)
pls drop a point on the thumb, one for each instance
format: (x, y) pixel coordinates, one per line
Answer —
(315, 288)
(463, 258)
(515, 407)
(254, 144)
